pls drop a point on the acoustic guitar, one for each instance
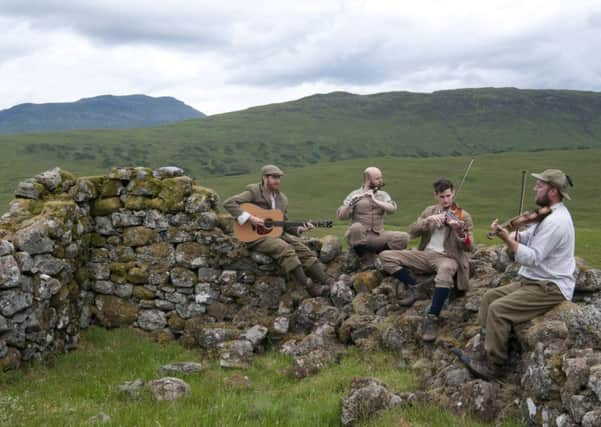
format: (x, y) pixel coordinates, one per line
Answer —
(274, 224)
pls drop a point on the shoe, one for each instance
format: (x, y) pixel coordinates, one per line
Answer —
(429, 328)
(410, 299)
(318, 290)
(483, 368)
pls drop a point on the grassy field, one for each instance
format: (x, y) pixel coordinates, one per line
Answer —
(323, 128)
(492, 189)
(84, 383)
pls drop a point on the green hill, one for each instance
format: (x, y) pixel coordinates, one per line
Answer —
(100, 112)
(323, 128)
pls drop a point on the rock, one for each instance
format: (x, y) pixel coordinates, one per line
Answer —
(151, 320)
(138, 236)
(46, 287)
(100, 418)
(34, 239)
(9, 272)
(366, 397)
(589, 280)
(106, 206)
(115, 312)
(235, 354)
(366, 281)
(6, 248)
(237, 382)
(168, 388)
(167, 172)
(192, 255)
(592, 419)
(331, 248)
(14, 301)
(210, 338)
(103, 287)
(313, 312)
(182, 277)
(11, 360)
(341, 293)
(127, 218)
(182, 368)
(47, 264)
(132, 389)
(29, 189)
(312, 363)
(255, 335)
(594, 380)
(84, 190)
(281, 325)
(190, 309)
(482, 398)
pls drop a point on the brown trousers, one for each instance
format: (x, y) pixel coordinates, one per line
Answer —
(508, 305)
(425, 261)
(289, 251)
(358, 234)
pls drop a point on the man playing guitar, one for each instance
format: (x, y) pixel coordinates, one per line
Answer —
(288, 249)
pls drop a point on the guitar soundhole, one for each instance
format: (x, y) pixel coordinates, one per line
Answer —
(261, 230)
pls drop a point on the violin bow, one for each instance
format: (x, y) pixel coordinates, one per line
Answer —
(464, 177)
(522, 195)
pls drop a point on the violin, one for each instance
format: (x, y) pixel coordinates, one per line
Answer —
(455, 213)
(531, 217)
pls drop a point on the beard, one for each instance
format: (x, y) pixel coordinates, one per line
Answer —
(543, 200)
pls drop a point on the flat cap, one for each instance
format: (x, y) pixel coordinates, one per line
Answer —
(271, 170)
(556, 178)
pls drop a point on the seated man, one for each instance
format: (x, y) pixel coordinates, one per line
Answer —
(288, 249)
(366, 208)
(446, 235)
(545, 251)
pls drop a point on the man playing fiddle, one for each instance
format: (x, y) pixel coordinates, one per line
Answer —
(446, 234)
(366, 207)
(545, 251)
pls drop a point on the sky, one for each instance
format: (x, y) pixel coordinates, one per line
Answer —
(221, 56)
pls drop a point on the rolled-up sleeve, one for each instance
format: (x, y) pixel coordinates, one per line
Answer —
(543, 242)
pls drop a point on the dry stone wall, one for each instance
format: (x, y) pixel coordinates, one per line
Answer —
(149, 249)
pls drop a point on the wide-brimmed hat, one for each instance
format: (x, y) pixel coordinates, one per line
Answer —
(271, 170)
(557, 179)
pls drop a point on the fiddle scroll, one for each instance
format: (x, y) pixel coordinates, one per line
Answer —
(531, 217)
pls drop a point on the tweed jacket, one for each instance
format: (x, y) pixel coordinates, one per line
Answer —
(258, 195)
(455, 247)
(366, 212)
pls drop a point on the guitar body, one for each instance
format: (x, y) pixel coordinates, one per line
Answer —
(249, 233)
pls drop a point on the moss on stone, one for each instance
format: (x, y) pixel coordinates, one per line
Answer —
(141, 292)
(66, 175)
(146, 186)
(138, 274)
(134, 202)
(97, 240)
(103, 207)
(110, 188)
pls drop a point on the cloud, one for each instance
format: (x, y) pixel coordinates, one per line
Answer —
(230, 55)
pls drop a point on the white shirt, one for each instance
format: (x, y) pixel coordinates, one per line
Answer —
(547, 253)
(436, 242)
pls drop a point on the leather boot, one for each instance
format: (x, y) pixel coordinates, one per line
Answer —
(320, 285)
(484, 367)
(429, 328)
(299, 275)
(415, 293)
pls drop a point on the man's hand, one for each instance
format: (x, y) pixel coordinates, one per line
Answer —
(256, 221)
(438, 219)
(496, 228)
(305, 227)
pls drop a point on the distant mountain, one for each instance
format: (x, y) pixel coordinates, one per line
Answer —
(100, 112)
(327, 128)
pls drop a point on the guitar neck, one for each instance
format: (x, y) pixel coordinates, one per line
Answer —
(292, 224)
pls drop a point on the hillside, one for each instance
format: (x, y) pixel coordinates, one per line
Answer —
(100, 112)
(336, 126)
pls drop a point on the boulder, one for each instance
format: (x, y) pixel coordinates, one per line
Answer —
(168, 388)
